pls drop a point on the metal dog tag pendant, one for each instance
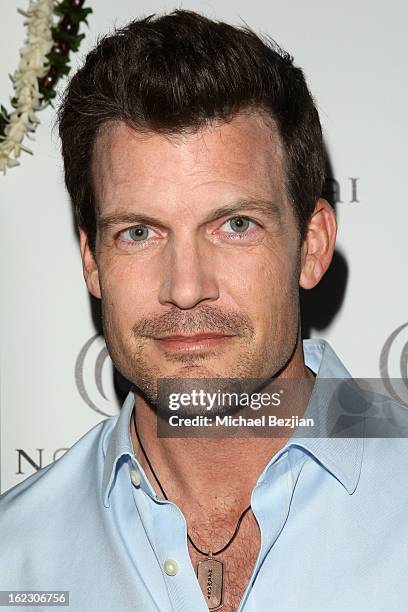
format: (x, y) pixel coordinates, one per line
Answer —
(210, 574)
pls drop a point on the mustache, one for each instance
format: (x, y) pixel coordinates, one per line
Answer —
(205, 318)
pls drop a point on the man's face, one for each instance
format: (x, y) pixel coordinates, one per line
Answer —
(195, 235)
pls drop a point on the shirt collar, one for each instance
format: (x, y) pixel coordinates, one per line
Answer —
(119, 445)
(342, 457)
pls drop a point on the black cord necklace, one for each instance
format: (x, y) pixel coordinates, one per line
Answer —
(210, 571)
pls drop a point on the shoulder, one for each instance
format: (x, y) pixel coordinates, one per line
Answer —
(49, 521)
(48, 492)
(385, 450)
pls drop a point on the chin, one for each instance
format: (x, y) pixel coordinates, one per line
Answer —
(189, 371)
(196, 371)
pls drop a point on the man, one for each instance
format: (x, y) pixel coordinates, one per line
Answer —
(194, 161)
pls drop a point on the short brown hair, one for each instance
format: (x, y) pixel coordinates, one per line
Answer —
(176, 73)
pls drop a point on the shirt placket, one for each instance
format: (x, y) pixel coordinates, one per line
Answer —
(166, 531)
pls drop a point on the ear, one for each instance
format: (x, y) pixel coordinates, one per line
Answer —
(318, 245)
(89, 265)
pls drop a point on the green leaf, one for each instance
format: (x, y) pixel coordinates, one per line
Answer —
(65, 70)
(72, 40)
(75, 13)
(47, 94)
(4, 114)
(56, 59)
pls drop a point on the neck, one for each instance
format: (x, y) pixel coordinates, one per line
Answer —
(206, 474)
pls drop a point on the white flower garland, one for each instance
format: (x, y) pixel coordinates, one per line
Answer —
(33, 66)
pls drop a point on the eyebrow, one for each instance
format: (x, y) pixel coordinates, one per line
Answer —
(266, 207)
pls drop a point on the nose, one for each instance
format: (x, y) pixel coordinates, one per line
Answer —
(188, 274)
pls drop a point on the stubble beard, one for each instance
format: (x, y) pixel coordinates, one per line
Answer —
(251, 362)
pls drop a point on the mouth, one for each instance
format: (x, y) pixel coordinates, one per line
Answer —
(192, 343)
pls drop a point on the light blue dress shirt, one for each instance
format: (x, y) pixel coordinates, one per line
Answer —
(333, 515)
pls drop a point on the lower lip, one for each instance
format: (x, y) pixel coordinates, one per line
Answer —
(192, 344)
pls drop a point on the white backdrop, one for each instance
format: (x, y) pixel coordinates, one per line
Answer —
(354, 55)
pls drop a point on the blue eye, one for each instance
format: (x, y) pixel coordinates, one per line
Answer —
(239, 225)
(139, 233)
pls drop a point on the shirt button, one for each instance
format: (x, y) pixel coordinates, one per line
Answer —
(170, 567)
(134, 476)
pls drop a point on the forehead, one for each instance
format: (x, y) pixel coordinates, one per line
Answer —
(242, 156)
